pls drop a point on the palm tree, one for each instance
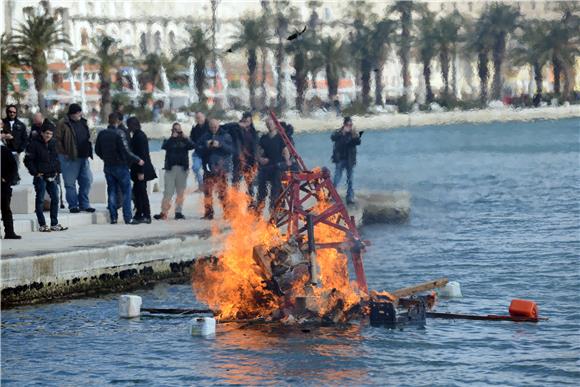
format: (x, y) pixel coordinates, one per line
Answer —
(405, 9)
(427, 49)
(151, 68)
(481, 43)
(251, 36)
(447, 35)
(303, 61)
(108, 57)
(285, 16)
(32, 40)
(532, 50)
(266, 17)
(361, 39)
(334, 55)
(314, 65)
(9, 59)
(562, 47)
(502, 20)
(381, 39)
(198, 48)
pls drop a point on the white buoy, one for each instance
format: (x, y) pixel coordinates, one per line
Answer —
(202, 326)
(451, 290)
(129, 306)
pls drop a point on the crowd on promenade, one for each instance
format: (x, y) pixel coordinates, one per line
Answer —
(223, 155)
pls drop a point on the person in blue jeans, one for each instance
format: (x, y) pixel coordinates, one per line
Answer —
(200, 128)
(41, 160)
(113, 148)
(345, 140)
(74, 149)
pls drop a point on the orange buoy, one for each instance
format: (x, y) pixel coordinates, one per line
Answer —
(523, 308)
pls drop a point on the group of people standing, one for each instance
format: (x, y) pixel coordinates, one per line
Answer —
(223, 155)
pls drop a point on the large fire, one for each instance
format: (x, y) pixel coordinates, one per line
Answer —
(235, 287)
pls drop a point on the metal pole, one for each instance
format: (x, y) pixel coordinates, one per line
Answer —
(214, 5)
(314, 270)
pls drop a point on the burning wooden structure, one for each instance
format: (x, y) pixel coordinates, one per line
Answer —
(294, 268)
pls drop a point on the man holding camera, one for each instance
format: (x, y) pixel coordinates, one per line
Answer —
(217, 147)
(42, 162)
(176, 167)
(345, 140)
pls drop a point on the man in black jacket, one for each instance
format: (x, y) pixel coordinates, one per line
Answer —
(245, 162)
(274, 157)
(16, 137)
(140, 174)
(9, 178)
(218, 148)
(36, 127)
(176, 168)
(345, 140)
(113, 148)
(42, 162)
(200, 128)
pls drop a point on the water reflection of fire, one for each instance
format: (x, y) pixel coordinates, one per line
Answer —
(236, 286)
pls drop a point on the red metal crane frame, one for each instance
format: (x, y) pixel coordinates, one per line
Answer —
(294, 205)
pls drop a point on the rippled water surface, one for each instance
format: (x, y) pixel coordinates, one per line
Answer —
(495, 207)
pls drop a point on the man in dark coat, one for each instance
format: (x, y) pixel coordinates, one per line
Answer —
(16, 137)
(74, 147)
(245, 163)
(9, 178)
(36, 127)
(274, 158)
(140, 174)
(345, 140)
(200, 128)
(42, 162)
(217, 146)
(113, 148)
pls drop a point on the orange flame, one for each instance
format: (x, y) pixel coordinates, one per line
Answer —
(233, 285)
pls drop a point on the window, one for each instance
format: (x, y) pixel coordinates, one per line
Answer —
(157, 40)
(172, 39)
(143, 44)
(84, 37)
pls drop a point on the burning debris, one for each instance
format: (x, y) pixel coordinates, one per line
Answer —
(259, 275)
(294, 268)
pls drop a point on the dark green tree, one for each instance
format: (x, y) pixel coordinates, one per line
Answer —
(32, 39)
(199, 48)
(448, 37)
(502, 20)
(405, 10)
(9, 60)
(251, 37)
(334, 56)
(427, 49)
(109, 57)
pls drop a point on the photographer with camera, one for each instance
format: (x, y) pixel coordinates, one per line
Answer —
(217, 147)
(345, 140)
(176, 168)
(42, 162)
